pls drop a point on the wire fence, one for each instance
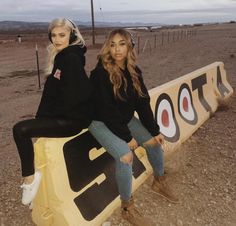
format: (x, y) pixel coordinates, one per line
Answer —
(20, 57)
(149, 42)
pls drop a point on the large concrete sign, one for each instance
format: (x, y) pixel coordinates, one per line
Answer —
(78, 186)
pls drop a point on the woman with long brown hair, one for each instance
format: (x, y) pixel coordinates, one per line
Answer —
(119, 91)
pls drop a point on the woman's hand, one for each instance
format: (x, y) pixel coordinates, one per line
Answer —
(159, 139)
(133, 144)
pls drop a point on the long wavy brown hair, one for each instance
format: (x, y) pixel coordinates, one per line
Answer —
(116, 75)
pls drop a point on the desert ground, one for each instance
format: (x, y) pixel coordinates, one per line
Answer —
(202, 170)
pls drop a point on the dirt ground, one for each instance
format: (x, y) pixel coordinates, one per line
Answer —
(202, 170)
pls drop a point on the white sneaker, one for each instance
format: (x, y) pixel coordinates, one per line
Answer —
(30, 190)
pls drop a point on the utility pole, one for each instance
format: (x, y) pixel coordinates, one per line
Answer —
(93, 31)
(37, 60)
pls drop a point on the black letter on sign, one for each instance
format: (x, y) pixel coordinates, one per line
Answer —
(82, 171)
(221, 87)
(197, 83)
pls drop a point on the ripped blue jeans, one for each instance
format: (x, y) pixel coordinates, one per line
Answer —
(118, 147)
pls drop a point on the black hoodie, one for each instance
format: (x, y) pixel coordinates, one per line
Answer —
(116, 113)
(67, 90)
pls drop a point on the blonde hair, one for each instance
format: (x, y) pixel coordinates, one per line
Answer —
(116, 75)
(52, 52)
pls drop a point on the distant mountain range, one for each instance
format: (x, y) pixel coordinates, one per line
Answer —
(21, 26)
(31, 26)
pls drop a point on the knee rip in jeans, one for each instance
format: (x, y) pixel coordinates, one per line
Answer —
(127, 158)
(151, 143)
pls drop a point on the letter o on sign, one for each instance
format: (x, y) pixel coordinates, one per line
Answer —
(165, 117)
(185, 105)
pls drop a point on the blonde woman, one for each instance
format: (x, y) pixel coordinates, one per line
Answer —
(119, 91)
(64, 108)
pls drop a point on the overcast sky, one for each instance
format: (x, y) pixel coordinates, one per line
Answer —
(160, 11)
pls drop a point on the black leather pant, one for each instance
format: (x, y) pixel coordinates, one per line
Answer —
(23, 131)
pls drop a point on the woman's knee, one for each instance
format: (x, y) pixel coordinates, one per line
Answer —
(19, 128)
(127, 158)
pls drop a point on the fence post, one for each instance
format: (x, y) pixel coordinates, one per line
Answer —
(155, 41)
(37, 61)
(178, 35)
(147, 42)
(144, 47)
(162, 38)
(138, 43)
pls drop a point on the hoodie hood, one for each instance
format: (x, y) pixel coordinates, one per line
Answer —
(73, 49)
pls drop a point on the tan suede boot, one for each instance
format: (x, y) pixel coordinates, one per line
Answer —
(132, 215)
(160, 187)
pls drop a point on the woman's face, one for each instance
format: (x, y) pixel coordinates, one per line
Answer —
(119, 49)
(60, 37)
